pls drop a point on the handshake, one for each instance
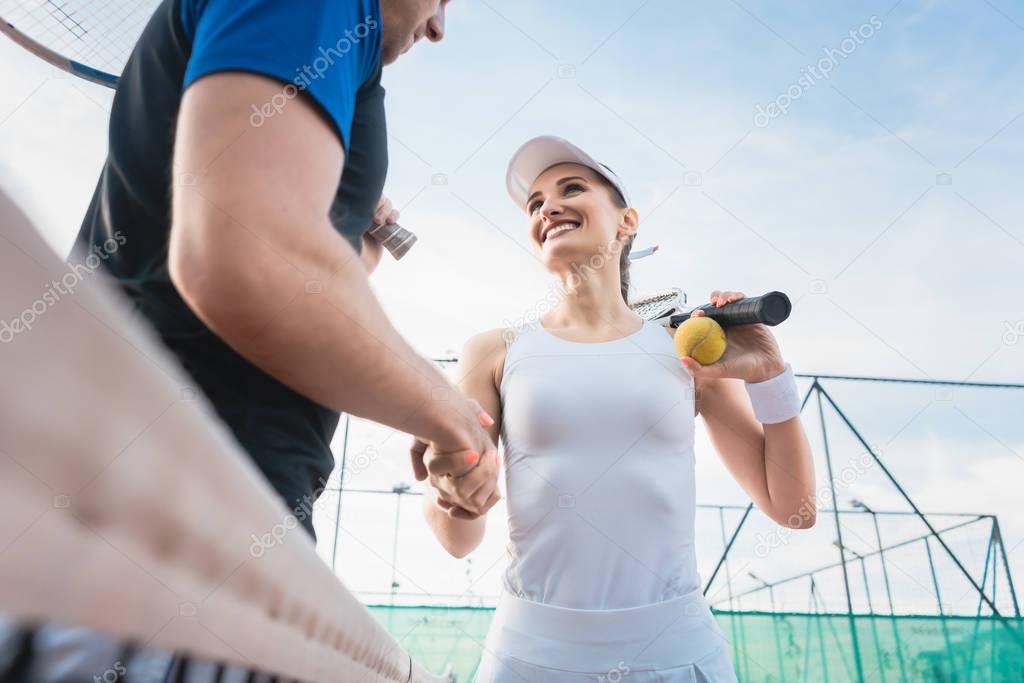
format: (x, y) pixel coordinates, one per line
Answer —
(462, 468)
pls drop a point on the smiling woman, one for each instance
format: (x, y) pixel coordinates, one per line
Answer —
(574, 175)
(595, 487)
(567, 186)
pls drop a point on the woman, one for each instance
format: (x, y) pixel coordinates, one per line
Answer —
(596, 412)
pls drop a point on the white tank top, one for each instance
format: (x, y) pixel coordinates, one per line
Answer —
(599, 470)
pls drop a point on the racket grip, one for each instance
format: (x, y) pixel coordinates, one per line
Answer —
(769, 309)
(393, 237)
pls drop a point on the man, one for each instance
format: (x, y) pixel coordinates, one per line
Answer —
(248, 151)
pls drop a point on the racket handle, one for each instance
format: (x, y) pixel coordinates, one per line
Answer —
(393, 237)
(769, 309)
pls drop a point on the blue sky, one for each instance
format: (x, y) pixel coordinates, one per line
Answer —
(886, 203)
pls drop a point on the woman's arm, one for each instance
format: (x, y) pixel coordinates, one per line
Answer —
(772, 462)
(477, 377)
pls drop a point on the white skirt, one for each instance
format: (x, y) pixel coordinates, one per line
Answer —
(676, 641)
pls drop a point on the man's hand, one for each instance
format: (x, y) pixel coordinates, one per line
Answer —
(464, 472)
(372, 249)
(385, 212)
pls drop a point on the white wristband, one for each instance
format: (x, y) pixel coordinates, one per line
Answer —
(775, 400)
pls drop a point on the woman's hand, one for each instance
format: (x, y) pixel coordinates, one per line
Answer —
(751, 352)
(465, 478)
(472, 494)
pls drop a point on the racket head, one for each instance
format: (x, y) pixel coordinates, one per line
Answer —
(90, 39)
(660, 306)
(93, 40)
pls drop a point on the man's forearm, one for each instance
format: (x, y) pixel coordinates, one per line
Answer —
(254, 255)
(304, 313)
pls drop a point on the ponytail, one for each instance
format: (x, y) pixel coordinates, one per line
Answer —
(627, 244)
(624, 267)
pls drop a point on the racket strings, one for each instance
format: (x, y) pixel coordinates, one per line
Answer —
(657, 305)
(97, 33)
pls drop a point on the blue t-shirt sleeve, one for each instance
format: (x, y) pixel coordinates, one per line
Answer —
(326, 48)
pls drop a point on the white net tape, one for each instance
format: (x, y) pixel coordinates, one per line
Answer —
(125, 507)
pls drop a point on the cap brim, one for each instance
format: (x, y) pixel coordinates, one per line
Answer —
(540, 154)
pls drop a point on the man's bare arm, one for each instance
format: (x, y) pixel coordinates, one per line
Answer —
(254, 255)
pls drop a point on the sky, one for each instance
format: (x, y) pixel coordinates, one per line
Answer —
(885, 201)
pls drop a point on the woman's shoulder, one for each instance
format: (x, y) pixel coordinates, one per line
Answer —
(489, 346)
(487, 349)
(487, 342)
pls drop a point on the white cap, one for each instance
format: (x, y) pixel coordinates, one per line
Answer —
(540, 154)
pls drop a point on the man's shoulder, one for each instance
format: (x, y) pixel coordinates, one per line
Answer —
(302, 43)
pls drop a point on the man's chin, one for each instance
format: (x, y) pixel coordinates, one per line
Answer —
(390, 52)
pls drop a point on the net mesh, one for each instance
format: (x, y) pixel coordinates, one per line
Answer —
(97, 33)
(774, 647)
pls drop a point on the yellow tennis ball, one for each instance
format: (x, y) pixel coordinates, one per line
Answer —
(700, 338)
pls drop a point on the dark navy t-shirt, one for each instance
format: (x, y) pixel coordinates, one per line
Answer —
(328, 51)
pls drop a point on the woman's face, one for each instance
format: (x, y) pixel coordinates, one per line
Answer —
(572, 214)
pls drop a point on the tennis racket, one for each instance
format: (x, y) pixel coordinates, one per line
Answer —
(660, 306)
(768, 309)
(93, 39)
(90, 39)
(667, 308)
(393, 237)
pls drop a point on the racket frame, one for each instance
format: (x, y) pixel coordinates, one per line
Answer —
(396, 247)
(56, 59)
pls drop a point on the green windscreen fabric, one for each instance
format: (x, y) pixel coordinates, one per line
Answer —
(776, 648)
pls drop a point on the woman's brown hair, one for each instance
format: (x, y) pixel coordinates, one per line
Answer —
(627, 245)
